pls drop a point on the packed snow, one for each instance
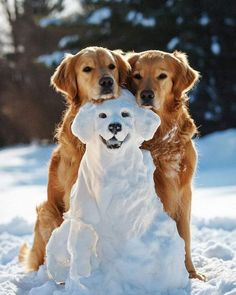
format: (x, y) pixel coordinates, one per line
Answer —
(23, 171)
(118, 238)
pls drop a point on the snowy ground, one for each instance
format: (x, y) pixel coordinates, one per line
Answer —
(23, 177)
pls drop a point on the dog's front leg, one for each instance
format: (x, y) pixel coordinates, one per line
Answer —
(81, 245)
(183, 225)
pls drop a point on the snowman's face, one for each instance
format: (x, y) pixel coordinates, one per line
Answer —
(115, 124)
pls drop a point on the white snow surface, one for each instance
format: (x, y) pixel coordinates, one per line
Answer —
(116, 238)
(23, 171)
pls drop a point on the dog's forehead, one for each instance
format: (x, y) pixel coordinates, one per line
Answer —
(104, 54)
(98, 55)
(154, 61)
(150, 61)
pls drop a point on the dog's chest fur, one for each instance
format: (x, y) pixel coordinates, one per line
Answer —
(168, 152)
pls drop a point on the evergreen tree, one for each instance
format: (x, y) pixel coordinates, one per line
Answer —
(28, 105)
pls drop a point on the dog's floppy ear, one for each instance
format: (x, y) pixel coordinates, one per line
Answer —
(146, 123)
(122, 65)
(185, 76)
(83, 125)
(132, 58)
(64, 79)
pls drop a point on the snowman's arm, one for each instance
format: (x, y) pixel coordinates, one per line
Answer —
(82, 246)
(57, 255)
(83, 205)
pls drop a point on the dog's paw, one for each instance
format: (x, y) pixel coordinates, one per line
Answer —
(196, 275)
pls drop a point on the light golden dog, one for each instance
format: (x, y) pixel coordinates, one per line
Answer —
(160, 81)
(93, 74)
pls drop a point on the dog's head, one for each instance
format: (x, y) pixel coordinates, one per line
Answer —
(115, 124)
(160, 78)
(94, 73)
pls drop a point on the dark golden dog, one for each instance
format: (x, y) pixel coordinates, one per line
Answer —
(160, 81)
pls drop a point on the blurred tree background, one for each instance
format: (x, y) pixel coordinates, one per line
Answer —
(37, 34)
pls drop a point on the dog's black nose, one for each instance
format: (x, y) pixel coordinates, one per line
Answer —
(147, 96)
(106, 82)
(115, 127)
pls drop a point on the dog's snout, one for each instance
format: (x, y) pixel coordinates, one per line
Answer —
(147, 96)
(106, 82)
(115, 127)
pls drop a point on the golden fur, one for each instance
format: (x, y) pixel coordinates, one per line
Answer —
(169, 76)
(78, 78)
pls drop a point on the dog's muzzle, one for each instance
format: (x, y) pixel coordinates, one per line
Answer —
(147, 98)
(106, 84)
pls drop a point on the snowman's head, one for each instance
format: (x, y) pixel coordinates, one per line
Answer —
(115, 124)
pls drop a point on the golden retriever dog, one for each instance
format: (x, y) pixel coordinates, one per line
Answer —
(160, 81)
(93, 74)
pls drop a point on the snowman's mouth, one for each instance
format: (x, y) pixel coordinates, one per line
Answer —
(113, 143)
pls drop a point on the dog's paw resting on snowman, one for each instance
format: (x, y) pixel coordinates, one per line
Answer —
(116, 238)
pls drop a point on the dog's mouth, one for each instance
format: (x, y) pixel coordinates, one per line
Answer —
(104, 96)
(113, 143)
(107, 90)
(147, 106)
(107, 94)
(150, 106)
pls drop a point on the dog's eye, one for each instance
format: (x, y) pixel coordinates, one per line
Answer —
(102, 115)
(87, 69)
(111, 66)
(125, 114)
(162, 76)
(137, 77)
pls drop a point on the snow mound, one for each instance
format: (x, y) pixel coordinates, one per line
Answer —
(220, 251)
(217, 161)
(118, 238)
(224, 146)
(17, 226)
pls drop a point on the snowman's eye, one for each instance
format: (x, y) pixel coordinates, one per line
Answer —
(125, 114)
(102, 115)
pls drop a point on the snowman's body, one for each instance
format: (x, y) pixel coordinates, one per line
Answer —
(116, 238)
